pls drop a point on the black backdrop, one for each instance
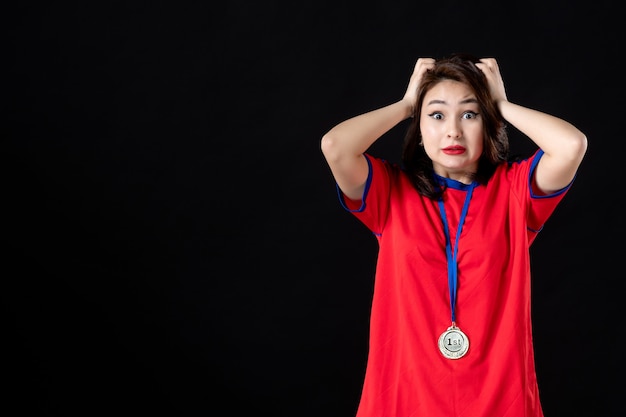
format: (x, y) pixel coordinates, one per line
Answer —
(174, 240)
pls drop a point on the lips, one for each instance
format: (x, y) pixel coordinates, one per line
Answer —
(454, 150)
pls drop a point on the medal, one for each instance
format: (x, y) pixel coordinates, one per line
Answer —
(453, 343)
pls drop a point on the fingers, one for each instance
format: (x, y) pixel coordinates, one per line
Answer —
(489, 67)
(421, 66)
(424, 64)
(488, 64)
(423, 60)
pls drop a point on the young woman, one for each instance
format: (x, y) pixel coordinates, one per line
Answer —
(450, 328)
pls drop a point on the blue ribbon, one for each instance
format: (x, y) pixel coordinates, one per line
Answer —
(452, 262)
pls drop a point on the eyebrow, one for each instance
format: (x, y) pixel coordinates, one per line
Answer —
(466, 101)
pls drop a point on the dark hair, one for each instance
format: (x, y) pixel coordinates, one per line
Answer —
(457, 67)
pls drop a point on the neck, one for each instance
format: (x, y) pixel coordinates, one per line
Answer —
(463, 177)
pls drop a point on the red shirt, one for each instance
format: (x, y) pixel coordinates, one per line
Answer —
(406, 375)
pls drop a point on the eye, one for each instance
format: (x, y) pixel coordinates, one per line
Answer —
(469, 115)
(436, 115)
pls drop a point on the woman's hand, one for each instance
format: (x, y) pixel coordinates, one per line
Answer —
(490, 68)
(410, 96)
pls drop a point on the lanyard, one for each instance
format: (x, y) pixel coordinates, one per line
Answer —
(452, 262)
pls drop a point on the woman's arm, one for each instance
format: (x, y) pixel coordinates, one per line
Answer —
(563, 144)
(343, 146)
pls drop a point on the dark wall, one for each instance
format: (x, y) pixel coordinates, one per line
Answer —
(175, 243)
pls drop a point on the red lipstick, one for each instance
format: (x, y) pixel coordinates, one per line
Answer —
(454, 150)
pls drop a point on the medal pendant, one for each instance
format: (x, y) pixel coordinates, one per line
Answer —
(453, 343)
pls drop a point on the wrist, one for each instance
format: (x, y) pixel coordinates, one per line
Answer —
(408, 108)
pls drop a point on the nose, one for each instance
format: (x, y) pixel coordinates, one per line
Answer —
(454, 129)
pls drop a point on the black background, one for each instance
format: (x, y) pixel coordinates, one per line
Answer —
(174, 240)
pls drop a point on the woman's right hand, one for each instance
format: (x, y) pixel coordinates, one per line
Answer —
(420, 68)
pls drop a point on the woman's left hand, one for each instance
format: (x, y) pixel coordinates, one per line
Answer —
(490, 68)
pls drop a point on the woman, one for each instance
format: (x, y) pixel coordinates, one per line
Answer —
(450, 328)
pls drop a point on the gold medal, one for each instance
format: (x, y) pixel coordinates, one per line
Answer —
(453, 343)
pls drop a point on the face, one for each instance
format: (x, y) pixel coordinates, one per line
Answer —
(452, 130)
